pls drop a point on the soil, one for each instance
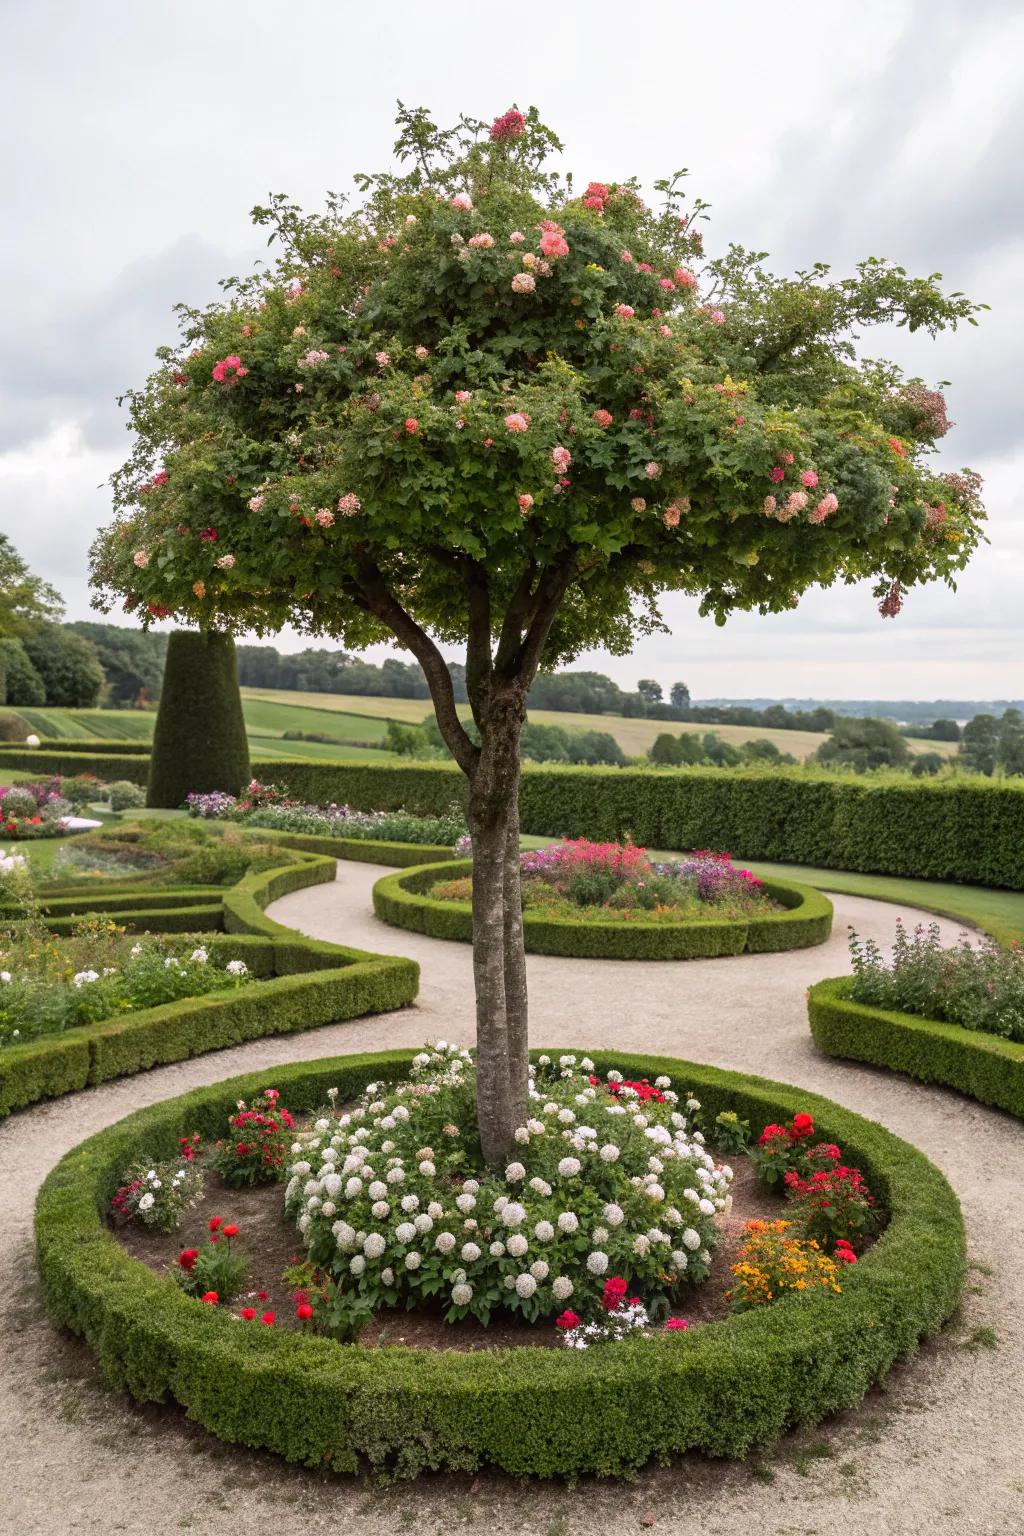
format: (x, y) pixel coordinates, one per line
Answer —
(274, 1246)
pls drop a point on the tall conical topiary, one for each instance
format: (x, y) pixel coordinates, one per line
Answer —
(199, 743)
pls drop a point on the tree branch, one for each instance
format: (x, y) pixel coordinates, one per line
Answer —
(372, 595)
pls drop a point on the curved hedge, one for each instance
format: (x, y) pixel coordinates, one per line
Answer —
(307, 983)
(722, 1389)
(983, 1066)
(403, 900)
(363, 850)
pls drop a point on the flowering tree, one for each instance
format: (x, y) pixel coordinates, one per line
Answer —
(476, 407)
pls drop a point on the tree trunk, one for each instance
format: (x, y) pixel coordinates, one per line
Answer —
(499, 965)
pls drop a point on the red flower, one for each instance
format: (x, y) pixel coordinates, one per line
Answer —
(676, 1324)
(248, 1313)
(231, 1231)
(769, 1134)
(211, 1298)
(267, 1319)
(304, 1311)
(187, 1259)
(614, 1292)
(567, 1320)
(803, 1125)
(215, 1222)
(262, 1295)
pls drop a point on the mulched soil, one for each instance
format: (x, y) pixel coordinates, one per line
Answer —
(273, 1245)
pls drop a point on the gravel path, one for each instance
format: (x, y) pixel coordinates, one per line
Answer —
(940, 1449)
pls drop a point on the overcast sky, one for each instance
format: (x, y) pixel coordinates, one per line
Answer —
(138, 137)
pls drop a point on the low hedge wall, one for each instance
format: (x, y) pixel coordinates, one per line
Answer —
(361, 850)
(983, 1066)
(722, 1389)
(403, 900)
(307, 983)
(47, 760)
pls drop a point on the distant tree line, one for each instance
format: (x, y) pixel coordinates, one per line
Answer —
(693, 749)
(538, 743)
(42, 661)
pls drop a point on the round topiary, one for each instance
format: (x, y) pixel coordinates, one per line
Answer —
(199, 742)
(125, 796)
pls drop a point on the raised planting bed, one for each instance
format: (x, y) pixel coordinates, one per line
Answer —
(982, 1065)
(722, 1388)
(800, 917)
(310, 983)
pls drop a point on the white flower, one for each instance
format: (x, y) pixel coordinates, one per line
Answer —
(470, 1187)
(654, 1192)
(496, 1250)
(691, 1239)
(344, 1235)
(568, 1221)
(357, 1265)
(522, 1135)
(387, 1277)
(470, 1252)
(561, 1288)
(599, 1235)
(462, 1294)
(199, 956)
(679, 1258)
(706, 1207)
(147, 1202)
(380, 1209)
(354, 1187)
(410, 1202)
(423, 1222)
(544, 1231)
(614, 1215)
(568, 1167)
(395, 1175)
(641, 1246)
(374, 1245)
(597, 1262)
(512, 1214)
(525, 1285)
(413, 1260)
(405, 1232)
(539, 1269)
(237, 968)
(609, 1153)
(566, 1117)
(5, 976)
(377, 1190)
(332, 1184)
(427, 1168)
(328, 1208)
(82, 978)
(515, 1172)
(444, 1242)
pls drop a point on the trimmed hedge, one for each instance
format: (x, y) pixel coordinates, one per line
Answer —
(307, 983)
(361, 850)
(722, 1389)
(136, 747)
(970, 830)
(60, 759)
(199, 740)
(986, 1067)
(403, 900)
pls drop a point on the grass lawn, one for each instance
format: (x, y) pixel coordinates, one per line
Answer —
(999, 913)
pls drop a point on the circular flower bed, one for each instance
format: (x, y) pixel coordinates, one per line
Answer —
(721, 1388)
(606, 900)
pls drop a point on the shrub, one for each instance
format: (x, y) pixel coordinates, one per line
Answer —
(199, 740)
(975, 986)
(832, 1205)
(259, 1135)
(156, 1195)
(216, 1272)
(19, 802)
(12, 728)
(81, 789)
(125, 796)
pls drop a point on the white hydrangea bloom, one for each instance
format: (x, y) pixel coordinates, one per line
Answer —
(462, 1294)
(387, 1276)
(539, 1269)
(568, 1167)
(525, 1285)
(691, 1239)
(512, 1214)
(405, 1232)
(470, 1252)
(465, 1203)
(496, 1250)
(561, 1288)
(354, 1187)
(654, 1192)
(357, 1265)
(614, 1215)
(679, 1258)
(413, 1260)
(427, 1168)
(396, 1175)
(515, 1172)
(332, 1184)
(423, 1222)
(522, 1135)
(517, 1245)
(380, 1209)
(377, 1190)
(597, 1262)
(444, 1242)
(568, 1221)
(540, 1187)
(410, 1202)
(706, 1207)
(374, 1245)
(328, 1208)
(544, 1231)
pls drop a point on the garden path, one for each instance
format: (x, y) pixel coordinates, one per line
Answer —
(939, 1449)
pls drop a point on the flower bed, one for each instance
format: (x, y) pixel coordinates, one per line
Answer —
(33, 810)
(722, 1389)
(979, 987)
(679, 924)
(973, 1061)
(264, 805)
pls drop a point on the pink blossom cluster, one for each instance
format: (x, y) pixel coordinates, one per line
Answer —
(552, 242)
(516, 421)
(561, 458)
(228, 369)
(510, 125)
(313, 358)
(349, 504)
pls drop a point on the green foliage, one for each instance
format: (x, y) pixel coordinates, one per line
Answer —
(983, 1066)
(690, 749)
(404, 901)
(20, 683)
(25, 600)
(67, 664)
(132, 660)
(404, 1412)
(199, 742)
(301, 455)
(863, 744)
(125, 796)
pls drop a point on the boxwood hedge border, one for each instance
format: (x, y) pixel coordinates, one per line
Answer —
(403, 900)
(983, 1066)
(723, 1389)
(307, 983)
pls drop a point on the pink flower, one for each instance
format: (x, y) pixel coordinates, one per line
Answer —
(684, 278)
(826, 506)
(561, 458)
(517, 237)
(525, 503)
(422, 352)
(776, 473)
(716, 317)
(787, 458)
(349, 504)
(671, 517)
(627, 255)
(892, 602)
(795, 502)
(325, 517)
(463, 202)
(228, 368)
(644, 266)
(312, 358)
(524, 282)
(225, 562)
(625, 310)
(676, 1324)
(603, 418)
(768, 506)
(652, 470)
(383, 359)
(412, 426)
(141, 558)
(161, 477)
(255, 503)
(667, 283)
(808, 478)
(510, 125)
(552, 242)
(483, 241)
(463, 395)
(517, 422)
(664, 330)
(638, 504)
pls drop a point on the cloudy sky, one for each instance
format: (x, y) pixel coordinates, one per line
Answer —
(139, 137)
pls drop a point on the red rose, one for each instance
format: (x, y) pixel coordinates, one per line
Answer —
(187, 1258)
(262, 1295)
(231, 1231)
(267, 1319)
(614, 1292)
(567, 1320)
(803, 1125)
(304, 1311)
(211, 1298)
(215, 1222)
(248, 1313)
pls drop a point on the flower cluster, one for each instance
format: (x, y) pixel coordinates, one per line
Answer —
(156, 1196)
(975, 985)
(15, 885)
(255, 1148)
(267, 806)
(32, 810)
(775, 1261)
(833, 1205)
(391, 1198)
(215, 1272)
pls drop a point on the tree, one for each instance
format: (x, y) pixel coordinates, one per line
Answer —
(475, 408)
(944, 730)
(864, 744)
(665, 750)
(979, 743)
(68, 665)
(679, 696)
(199, 740)
(1010, 752)
(20, 683)
(25, 600)
(927, 763)
(132, 661)
(649, 690)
